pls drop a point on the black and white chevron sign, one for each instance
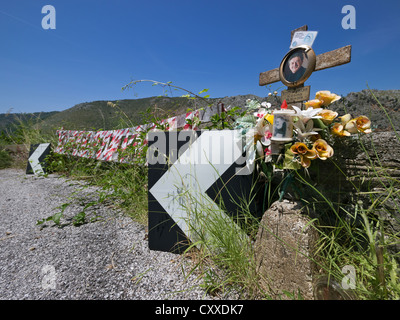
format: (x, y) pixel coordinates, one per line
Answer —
(204, 166)
(36, 161)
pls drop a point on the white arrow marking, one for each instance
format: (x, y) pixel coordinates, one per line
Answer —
(181, 190)
(34, 158)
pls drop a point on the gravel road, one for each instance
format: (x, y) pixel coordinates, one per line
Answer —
(106, 259)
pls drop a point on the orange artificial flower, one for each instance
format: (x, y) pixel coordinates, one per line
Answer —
(327, 116)
(360, 124)
(316, 103)
(306, 155)
(326, 97)
(338, 130)
(323, 149)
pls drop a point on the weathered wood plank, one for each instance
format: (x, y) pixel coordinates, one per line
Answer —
(297, 95)
(333, 58)
(269, 77)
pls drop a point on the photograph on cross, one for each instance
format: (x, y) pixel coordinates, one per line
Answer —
(297, 66)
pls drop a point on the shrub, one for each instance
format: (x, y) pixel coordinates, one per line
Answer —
(5, 159)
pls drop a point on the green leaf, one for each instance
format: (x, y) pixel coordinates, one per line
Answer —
(202, 91)
(90, 204)
(56, 218)
(216, 117)
(246, 121)
(39, 222)
(288, 163)
(319, 124)
(253, 104)
(79, 219)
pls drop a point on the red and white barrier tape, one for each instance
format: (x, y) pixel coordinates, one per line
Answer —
(109, 145)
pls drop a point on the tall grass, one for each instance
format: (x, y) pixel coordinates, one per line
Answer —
(357, 233)
(27, 130)
(223, 244)
(123, 184)
(356, 237)
(24, 131)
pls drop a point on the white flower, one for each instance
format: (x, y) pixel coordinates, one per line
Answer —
(266, 105)
(260, 113)
(266, 140)
(260, 127)
(308, 114)
(259, 149)
(304, 130)
(262, 132)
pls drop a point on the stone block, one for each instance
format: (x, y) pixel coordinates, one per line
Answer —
(283, 248)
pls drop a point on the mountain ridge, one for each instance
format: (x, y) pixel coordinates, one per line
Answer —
(100, 115)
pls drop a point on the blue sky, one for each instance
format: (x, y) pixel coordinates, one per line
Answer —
(100, 46)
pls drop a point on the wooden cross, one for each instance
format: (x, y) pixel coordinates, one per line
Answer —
(323, 61)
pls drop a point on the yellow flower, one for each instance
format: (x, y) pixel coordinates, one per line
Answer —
(110, 104)
(328, 116)
(314, 103)
(346, 118)
(314, 137)
(323, 149)
(269, 117)
(306, 155)
(351, 126)
(360, 124)
(364, 124)
(338, 130)
(326, 97)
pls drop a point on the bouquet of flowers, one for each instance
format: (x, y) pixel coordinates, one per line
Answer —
(309, 131)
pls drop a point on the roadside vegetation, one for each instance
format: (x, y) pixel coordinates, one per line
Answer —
(354, 235)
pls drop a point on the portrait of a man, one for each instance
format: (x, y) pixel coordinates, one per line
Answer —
(297, 66)
(294, 69)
